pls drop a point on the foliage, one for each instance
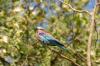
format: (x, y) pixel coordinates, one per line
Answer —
(19, 45)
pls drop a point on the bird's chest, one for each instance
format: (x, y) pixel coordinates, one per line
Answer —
(43, 38)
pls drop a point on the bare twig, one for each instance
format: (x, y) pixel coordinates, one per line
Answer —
(80, 11)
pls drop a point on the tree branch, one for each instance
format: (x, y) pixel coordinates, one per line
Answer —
(65, 57)
(91, 31)
(80, 11)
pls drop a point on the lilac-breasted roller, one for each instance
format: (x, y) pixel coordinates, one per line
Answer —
(47, 38)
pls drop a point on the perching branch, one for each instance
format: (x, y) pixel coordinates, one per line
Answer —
(69, 59)
(80, 11)
(65, 57)
(77, 54)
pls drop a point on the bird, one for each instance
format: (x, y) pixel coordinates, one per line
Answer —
(47, 38)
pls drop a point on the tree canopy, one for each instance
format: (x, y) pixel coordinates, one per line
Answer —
(75, 23)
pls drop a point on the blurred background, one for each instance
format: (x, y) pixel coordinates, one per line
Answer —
(19, 45)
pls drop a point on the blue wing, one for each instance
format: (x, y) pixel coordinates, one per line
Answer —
(43, 39)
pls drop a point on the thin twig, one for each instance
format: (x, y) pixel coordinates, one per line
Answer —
(80, 11)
